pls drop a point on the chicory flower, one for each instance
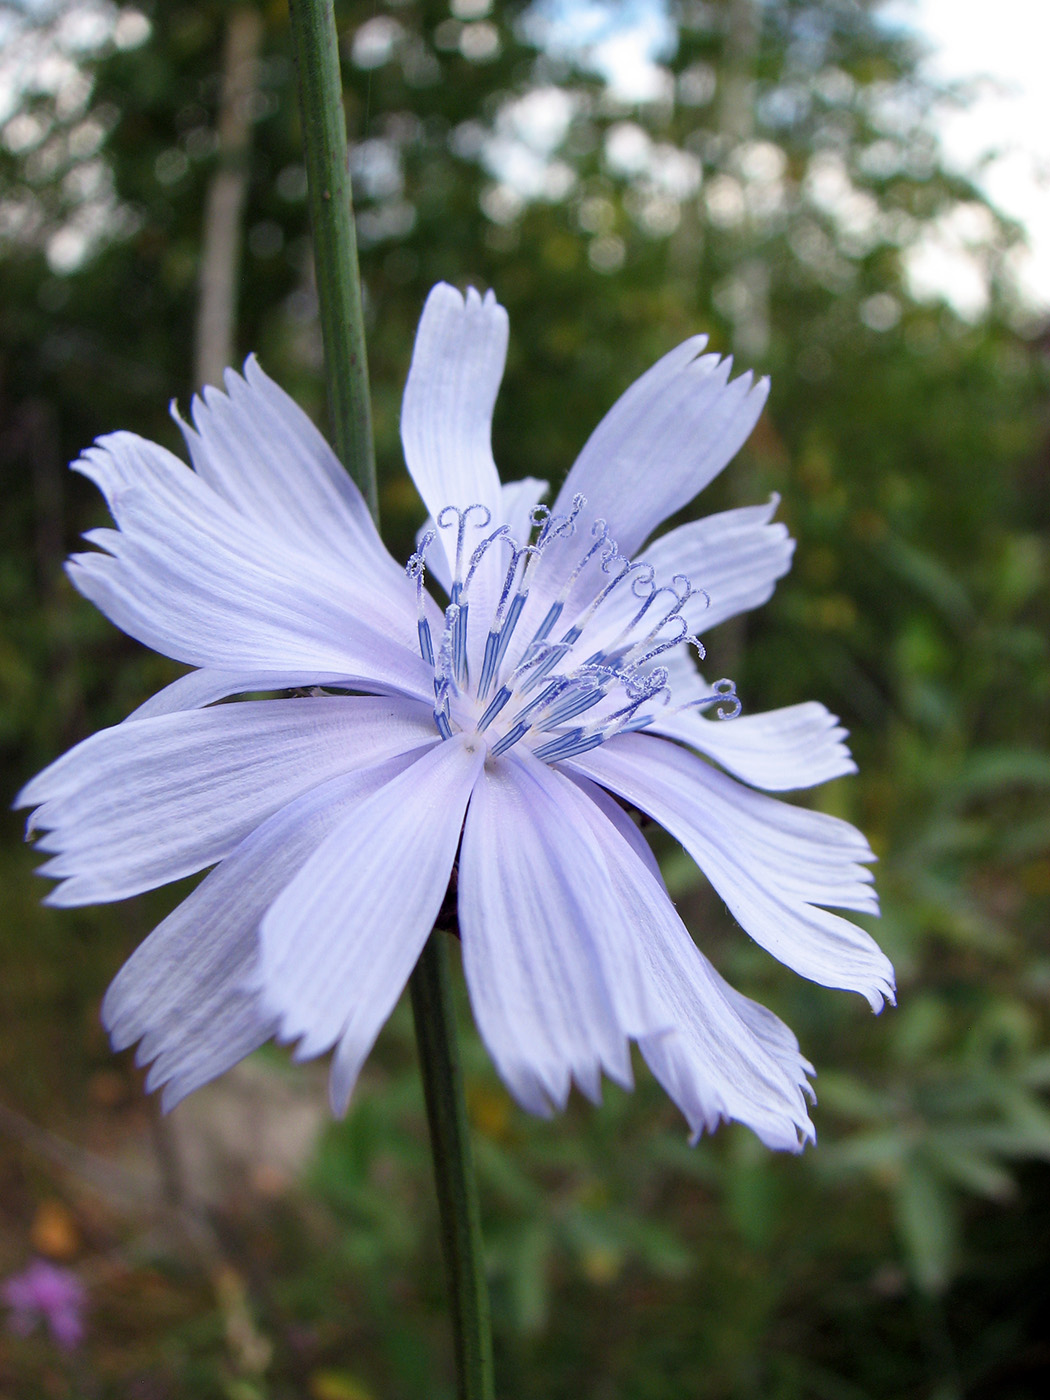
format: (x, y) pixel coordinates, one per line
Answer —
(496, 737)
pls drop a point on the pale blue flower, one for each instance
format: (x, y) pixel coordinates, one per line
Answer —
(493, 730)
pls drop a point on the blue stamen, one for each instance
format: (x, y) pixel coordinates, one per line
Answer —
(544, 629)
(676, 593)
(489, 663)
(503, 627)
(453, 513)
(426, 643)
(723, 691)
(569, 745)
(635, 663)
(459, 644)
(556, 526)
(571, 706)
(544, 667)
(513, 613)
(549, 693)
(481, 550)
(603, 542)
(509, 739)
(416, 569)
(445, 670)
(548, 686)
(632, 726)
(495, 705)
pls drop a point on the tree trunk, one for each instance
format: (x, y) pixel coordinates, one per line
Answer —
(221, 244)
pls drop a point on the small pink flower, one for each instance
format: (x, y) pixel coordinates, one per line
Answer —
(44, 1292)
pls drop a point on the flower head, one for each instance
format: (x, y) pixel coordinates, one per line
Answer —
(498, 730)
(44, 1292)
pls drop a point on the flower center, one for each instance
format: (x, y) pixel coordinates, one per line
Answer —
(533, 677)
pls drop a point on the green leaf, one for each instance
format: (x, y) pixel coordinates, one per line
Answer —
(850, 1097)
(973, 1170)
(927, 1224)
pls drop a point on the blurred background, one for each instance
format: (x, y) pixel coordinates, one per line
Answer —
(796, 178)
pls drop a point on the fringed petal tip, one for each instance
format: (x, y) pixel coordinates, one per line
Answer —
(675, 428)
(885, 995)
(793, 1141)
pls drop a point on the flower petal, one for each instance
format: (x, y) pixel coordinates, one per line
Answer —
(735, 557)
(661, 443)
(446, 416)
(190, 991)
(628, 829)
(205, 686)
(772, 863)
(192, 577)
(549, 959)
(338, 944)
(779, 750)
(725, 1057)
(141, 804)
(260, 452)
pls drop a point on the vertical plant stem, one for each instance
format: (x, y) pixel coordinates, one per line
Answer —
(335, 246)
(346, 372)
(453, 1168)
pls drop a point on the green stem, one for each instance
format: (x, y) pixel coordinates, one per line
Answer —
(316, 48)
(431, 989)
(346, 373)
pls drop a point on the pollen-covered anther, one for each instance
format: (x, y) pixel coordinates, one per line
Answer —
(416, 569)
(539, 692)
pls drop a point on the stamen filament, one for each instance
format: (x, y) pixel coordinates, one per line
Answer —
(509, 739)
(552, 688)
(569, 746)
(496, 704)
(569, 708)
